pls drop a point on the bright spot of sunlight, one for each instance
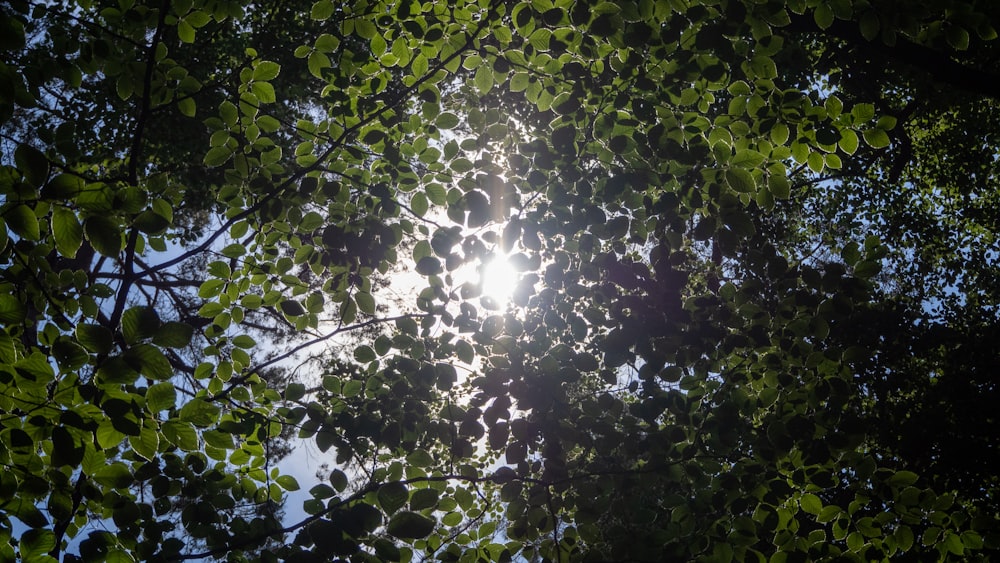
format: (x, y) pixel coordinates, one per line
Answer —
(499, 278)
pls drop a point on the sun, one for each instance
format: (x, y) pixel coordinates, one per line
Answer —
(498, 278)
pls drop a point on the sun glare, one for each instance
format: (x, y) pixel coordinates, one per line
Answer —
(499, 278)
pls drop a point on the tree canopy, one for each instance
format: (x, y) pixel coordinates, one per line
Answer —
(750, 316)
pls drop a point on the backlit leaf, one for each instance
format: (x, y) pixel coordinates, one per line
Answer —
(180, 434)
(876, 138)
(160, 396)
(740, 180)
(67, 231)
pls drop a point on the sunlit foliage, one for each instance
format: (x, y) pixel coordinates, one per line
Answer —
(746, 308)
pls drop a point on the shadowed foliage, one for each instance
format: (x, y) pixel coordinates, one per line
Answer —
(753, 314)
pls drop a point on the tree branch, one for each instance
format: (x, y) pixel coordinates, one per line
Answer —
(236, 382)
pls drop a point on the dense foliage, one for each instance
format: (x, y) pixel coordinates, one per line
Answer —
(753, 317)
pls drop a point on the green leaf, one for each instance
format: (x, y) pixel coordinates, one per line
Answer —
(436, 194)
(327, 43)
(26, 512)
(124, 87)
(348, 311)
(972, 540)
(851, 253)
(151, 222)
(316, 63)
(366, 303)
(173, 334)
(187, 106)
(747, 158)
(234, 250)
(35, 367)
(904, 537)
(322, 10)
(779, 186)
(829, 513)
(423, 498)
(104, 234)
(519, 81)
(264, 92)
(244, 341)
(816, 162)
(199, 412)
(779, 134)
(94, 338)
(292, 308)
(428, 266)
(863, 112)
(352, 388)
(181, 434)
(23, 221)
(483, 79)
(294, 391)
(217, 156)
(266, 70)
(12, 310)
(903, 478)
(869, 25)
(287, 482)
(740, 180)
(957, 37)
(811, 503)
(867, 269)
(36, 543)
(420, 458)
(149, 361)
(114, 475)
(446, 120)
(430, 155)
(139, 323)
(823, 16)
(146, 443)
(366, 30)
(218, 439)
(418, 203)
(364, 354)
(848, 141)
(185, 32)
(420, 65)
(392, 496)
(410, 525)
(96, 198)
(32, 164)
(339, 480)
(160, 396)
(953, 543)
(876, 138)
(67, 231)
(69, 355)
